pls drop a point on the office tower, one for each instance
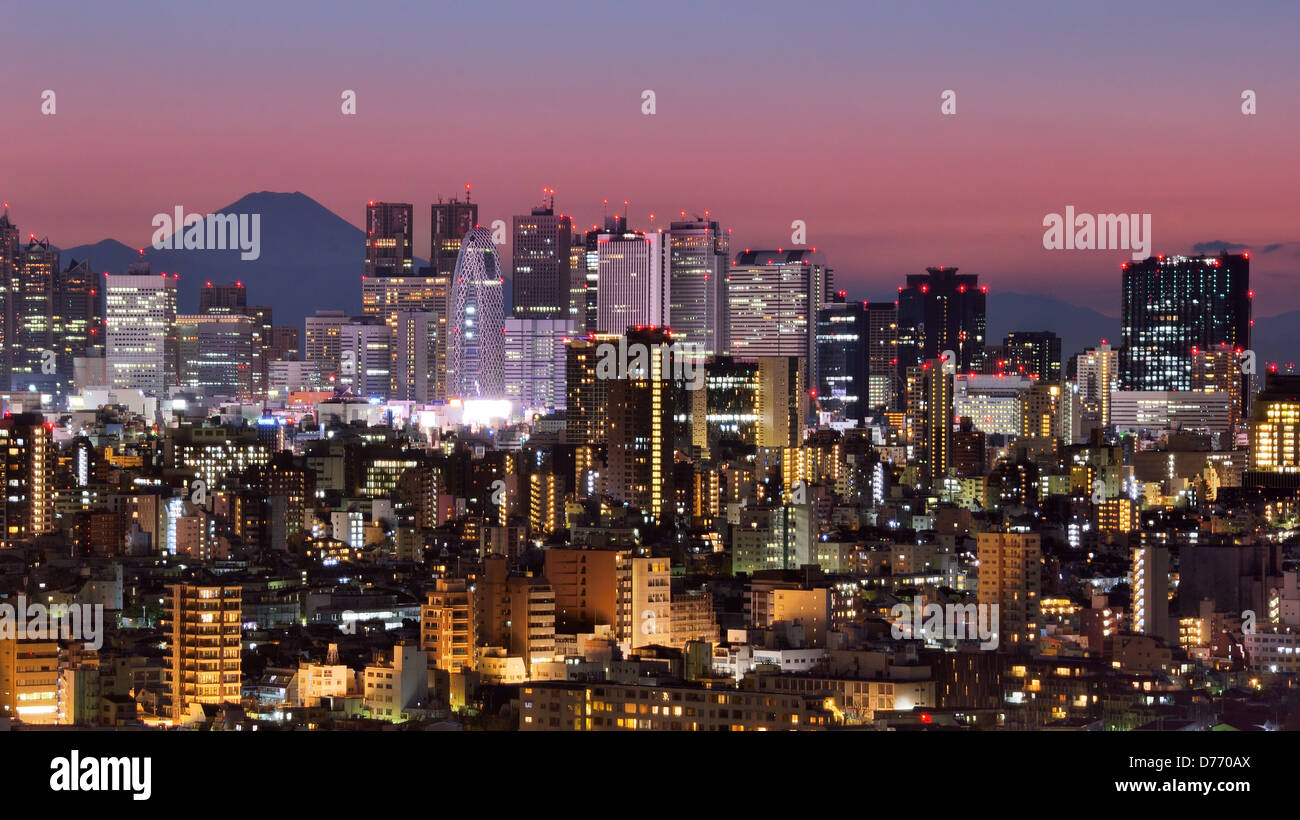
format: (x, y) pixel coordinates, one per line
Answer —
(969, 449)
(699, 261)
(994, 404)
(773, 298)
(285, 345)
(140, 320)
(451, 220)
(1218, 370)
(390, 249)
(586, 394)
(930, 415)
(1174, 304)
(448, 626)
(366, 357)
(937, 311)
(1041, 408)
(578, 274)
(476, 355)
(843, 359)
(263, 327)
(540, 267)
(1097, 376)
(215, 354)
(1010, 577)
(324, 333)
(882, 356)
(782, 401)
(1149, 582)
(535, 362)
(591, 244)
(1036, 354)
(203, 628)
(384, 297)
(1274, 461)
(34, 300)
(639, 428)
(415, 353)
(223, 299)
(79, 307)
(632, 281)
(9, 284)
(27, 507)
(729, 407)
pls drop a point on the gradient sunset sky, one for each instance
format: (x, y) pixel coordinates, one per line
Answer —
(767, 112)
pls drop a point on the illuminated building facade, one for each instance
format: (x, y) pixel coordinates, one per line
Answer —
(203, 627)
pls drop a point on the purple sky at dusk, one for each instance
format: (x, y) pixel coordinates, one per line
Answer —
(766, 113)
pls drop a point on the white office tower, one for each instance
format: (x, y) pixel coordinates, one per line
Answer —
(773, 298)
(476, 359)
(415, 355)
(535, 362)
(632, 284)
(140, 330)
(366, 358)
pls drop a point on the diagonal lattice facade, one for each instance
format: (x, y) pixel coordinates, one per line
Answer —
(476, 359)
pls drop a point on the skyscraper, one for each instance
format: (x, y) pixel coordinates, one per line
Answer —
(9, 283)
(1172, 304)
(384, 297)
(1097, 376)
(223, 299)
(639, 429)
(451, 220)
(882, 356)
(215, 354)
(1033, 353)
(540, 268)
(140, 319)
(535, 361)
(843, 359)
(773, 298)
(415, 350)
(939, 310)
(632, 281)
(29, 457)
(698, 265)
(366, 357)
(390, 249)
(476, 357)
(34, 311)
(1274, 462)
(203, 626)
(323, 333)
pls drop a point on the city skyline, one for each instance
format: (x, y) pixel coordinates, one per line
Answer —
(883, 180)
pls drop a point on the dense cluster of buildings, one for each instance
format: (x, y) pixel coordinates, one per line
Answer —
(680, 486)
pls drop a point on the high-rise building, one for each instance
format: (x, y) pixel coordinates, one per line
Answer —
(215, 354)
(390, 249)
(540, 268)
(1218, 370)
(782, 401)
(476, 337)
(203, 628)
(773, 298)
(1274, 461)
(639, 428)
(384, 297)
(632, 281)
(79, 308)
(222, 299)
(10, 266)
(1097, 376)
(938, 311)
(324, 333)
(698, 265)
(882, 356)
(140, 320)
(535, 362)
(1010, 577)
(285, 344)
(448, 626)
(843, 359)
(366, 357)
(1149, 582)
(450, 221)
(586, 395)
(415, 354)
(1173, 305)
(29, 459)
(34, 310)
(1032, 353)
(931, 419)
